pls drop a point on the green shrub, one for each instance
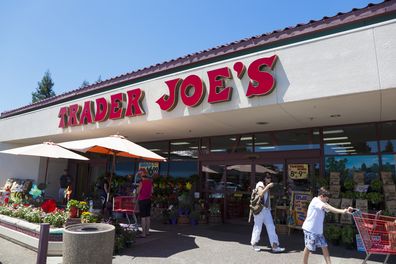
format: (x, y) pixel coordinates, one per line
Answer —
(376, 185)
(347, 235)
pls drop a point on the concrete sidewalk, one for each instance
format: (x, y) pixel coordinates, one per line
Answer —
(203, 244)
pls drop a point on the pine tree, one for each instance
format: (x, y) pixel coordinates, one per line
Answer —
(84, 84)
(44, 89)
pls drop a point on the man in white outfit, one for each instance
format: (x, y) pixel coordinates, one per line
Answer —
(265, 217)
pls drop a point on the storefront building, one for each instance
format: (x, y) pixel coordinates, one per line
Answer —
(298, 103)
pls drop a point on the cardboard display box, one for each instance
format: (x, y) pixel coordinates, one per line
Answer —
(346, 218)
(358, 178)
(386, 177)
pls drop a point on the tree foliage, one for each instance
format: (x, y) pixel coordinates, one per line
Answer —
(85, 83)
(44, 89)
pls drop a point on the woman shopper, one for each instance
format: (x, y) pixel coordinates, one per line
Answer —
(145, 189)
(313, 224)
(265, 217)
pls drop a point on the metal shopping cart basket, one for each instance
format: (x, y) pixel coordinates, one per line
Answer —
(378, 233)
(127, 205)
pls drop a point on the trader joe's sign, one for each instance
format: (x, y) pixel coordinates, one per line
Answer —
(191, 90)
(297, 171)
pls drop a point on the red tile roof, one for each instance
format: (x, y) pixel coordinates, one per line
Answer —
(289, 33)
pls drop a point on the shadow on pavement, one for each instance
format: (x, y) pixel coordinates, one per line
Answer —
(168, 240)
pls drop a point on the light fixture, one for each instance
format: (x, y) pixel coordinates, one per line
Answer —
(345, 150)
(269, 147)
(258, 143)
(334, 138)
(155, 149)
(180, 143)
(217, 150)
(339, 143)
(346, 147)
(336, 131)
(242, 138)
(261, 123)
(335, 115)
(193, 147)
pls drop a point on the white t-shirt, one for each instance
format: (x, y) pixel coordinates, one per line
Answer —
(315, 217)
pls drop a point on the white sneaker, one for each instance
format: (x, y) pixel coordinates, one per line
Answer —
(256, 248)
(278, 249)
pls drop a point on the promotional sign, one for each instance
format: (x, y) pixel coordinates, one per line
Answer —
(152, 168)
(297, 171)
(299, 207)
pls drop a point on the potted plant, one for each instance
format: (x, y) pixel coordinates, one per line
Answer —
(83, 206)
(347, 236)
(333, 234)
(173, 216)
(194, 217)
(214, 214)
(87, 217)
(376, 185)
(72, 208)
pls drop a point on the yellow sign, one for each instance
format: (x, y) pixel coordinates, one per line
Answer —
(297, 171)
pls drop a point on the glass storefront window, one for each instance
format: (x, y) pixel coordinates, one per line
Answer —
(301, 139)
(125, 166)
(223, 144)
(350, 140)
(159, 147)
(184, 150)
(243, 143)
(348, 165)
(388, 137)
(183, 169)
(389, 164)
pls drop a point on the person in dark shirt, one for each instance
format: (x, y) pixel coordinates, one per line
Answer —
(64, 182)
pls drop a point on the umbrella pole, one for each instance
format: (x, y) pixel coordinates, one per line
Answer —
(46, 172)
(111, 175)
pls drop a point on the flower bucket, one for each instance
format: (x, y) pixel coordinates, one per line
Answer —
(73, 212)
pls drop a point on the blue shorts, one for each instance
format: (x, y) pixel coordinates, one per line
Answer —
(314, 240)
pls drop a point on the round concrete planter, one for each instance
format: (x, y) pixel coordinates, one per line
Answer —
(88, 243)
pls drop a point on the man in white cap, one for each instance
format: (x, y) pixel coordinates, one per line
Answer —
(265, 217)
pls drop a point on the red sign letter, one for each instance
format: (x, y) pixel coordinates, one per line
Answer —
(262, 82)
(74, 115)
(168, 102)
(102, 108)
(116, 109)
(86, 114)
(192, 82)
(218, 92)
(135, 107)
(63, 113)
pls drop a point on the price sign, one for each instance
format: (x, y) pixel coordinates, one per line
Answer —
(297, 171)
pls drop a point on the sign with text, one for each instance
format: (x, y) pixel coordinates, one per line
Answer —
(191, 91)
(299, 207)
(152, 168)
(297, 171)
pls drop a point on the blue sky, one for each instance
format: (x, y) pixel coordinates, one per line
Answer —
(82, 40)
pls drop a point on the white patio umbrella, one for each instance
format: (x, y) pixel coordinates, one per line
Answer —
(248, 168)
(115, 145)
(207, 169)
(45, 149)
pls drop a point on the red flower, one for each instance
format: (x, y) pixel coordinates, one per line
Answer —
(48, 206)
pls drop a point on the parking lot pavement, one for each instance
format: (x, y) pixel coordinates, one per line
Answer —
(202, 244)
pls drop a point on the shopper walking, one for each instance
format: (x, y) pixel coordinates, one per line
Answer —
(145, 189)
(265, 216)
(313, 224)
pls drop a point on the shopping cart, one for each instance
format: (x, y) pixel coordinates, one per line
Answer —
(378, 233)
(127, 205)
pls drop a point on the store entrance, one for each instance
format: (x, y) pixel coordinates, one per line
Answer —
(228, 185)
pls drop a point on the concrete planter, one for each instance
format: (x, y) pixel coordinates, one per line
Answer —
(88, 243)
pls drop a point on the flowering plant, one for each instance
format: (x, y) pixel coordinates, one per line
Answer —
(87, 217)
(56, 218)
(72, 203)
(83, 206)
(48, 206)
